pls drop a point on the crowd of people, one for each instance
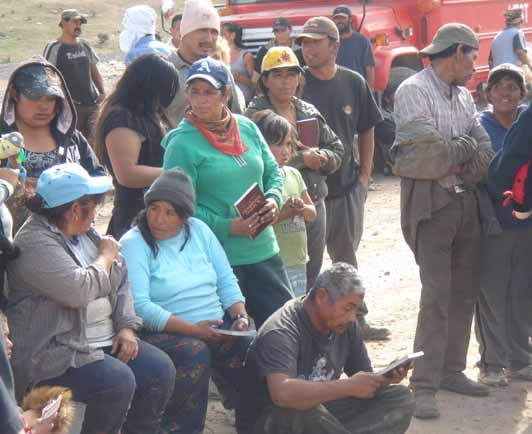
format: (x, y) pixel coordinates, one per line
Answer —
(231, 175)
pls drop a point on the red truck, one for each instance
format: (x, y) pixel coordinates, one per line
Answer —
(398, 29)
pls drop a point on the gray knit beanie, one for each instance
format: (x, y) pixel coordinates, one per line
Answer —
(174, 186)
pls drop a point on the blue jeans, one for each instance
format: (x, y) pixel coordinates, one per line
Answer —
(194, 361)
(297, 275)
(109, 388)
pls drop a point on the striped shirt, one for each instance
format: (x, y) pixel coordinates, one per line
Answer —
(450, 109)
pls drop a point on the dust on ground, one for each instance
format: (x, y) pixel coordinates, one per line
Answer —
(393, 288)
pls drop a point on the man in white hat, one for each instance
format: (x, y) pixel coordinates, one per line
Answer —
(200, 27)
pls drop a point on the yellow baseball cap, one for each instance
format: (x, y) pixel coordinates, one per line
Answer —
(280, 57)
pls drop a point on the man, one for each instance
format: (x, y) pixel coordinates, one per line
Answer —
(175, 30)
(346, 102)
(138, 34)
(77, 61)
(282, 37)
(355, 49)
(200, 28)
(299, 355)
(442, 153)
(509, 46)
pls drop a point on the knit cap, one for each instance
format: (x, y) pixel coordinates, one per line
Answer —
(199, 14)
(173, 186)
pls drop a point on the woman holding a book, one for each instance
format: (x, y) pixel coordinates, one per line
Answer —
(230, 164)
(319, 151)
(187, 296)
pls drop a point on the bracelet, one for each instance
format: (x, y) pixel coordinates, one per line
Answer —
(240, 316)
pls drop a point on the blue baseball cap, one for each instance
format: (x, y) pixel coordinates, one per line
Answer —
(67, 182)
(210, 70)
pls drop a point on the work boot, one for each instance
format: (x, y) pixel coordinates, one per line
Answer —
(370, 333)
(457, 382)
(521, 374)
(494, 377)
(426, 404)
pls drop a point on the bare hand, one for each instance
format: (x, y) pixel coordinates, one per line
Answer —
(313, 158)
(241, 325)
(206, 331)
(10, 175)
(245, 227)
(364, 385)
(298, 205)
(397, 375)
(30, 185)
(44, 427)
(268, 212)
(364, 179)
(126, 344)
(109, 247)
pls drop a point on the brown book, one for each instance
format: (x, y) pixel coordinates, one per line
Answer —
(250, 203)
(308, 131)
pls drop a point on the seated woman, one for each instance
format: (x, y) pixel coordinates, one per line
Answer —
(129, 130)
(71, 312)
(38, 105)
(184, 288)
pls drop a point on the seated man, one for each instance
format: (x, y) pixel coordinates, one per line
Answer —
(299, 355)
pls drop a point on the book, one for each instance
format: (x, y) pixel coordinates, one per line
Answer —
(309, 133)
(237, 332)
(251, 202)
(403, 362)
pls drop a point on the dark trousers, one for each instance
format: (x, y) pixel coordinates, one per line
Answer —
(109, 387)
(389, 412)
(194, 361)
(316, 236)
(85, 120)
(345, 224)
(503, 312)
(265, 286)
(448, 257)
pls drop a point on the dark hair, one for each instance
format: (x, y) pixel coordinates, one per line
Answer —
(56, 215)
(498, 76)
(237, 30)
(147, 86)
(141, 221)
(449, 52)
(264, 89)
(176, 18)
(274, 127)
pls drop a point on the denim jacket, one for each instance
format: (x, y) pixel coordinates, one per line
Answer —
(47, 305)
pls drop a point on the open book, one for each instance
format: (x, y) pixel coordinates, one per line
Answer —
(250, 203)
(403, 362)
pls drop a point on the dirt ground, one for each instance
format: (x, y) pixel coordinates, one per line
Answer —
(393, 287)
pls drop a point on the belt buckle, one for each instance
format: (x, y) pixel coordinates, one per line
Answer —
(458, 189)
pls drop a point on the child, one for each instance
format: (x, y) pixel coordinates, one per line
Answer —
(298, 208)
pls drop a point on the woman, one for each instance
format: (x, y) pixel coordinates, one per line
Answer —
(129, 130)
(71, 312)
(281, 82)
(242, 63)
(184, 288)
(503, 310)
(38, 105)
(225, 155)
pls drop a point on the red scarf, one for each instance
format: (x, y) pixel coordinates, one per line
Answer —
(222, 134)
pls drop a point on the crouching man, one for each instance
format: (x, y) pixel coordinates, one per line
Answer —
(298, 357)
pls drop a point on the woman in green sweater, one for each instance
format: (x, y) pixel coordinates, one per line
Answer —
(225, 155)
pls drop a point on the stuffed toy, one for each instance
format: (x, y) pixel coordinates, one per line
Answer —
(37, 399)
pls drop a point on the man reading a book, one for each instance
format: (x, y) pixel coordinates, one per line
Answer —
(299, 356)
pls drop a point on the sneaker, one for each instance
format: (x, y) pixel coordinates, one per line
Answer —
(493, 377)
(426, 405)
(370, 333)
(459, 383)
(521, 374)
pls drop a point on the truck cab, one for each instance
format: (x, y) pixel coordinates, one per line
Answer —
(397, 29)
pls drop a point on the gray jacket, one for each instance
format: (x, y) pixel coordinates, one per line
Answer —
(329, 144)
(422, 157)
(47, 309)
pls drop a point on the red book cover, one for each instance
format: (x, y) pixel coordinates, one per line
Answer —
(308, 131)
(250, 203)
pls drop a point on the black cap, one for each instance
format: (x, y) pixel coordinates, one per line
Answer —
(342, 10)
(35, 81)
(281, 24)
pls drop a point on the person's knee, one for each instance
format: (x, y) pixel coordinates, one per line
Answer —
(119, 383)
(399, 402)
